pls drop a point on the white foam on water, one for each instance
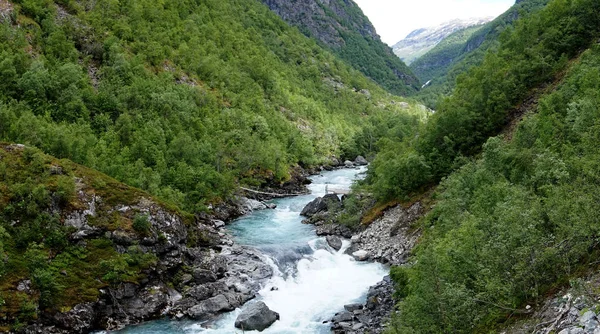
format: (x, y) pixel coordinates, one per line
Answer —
(320, 284)
(323, 283)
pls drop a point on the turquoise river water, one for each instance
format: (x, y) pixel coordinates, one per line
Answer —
(312, 281)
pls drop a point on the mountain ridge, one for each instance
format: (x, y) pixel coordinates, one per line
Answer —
(342, 27)
(422, 40)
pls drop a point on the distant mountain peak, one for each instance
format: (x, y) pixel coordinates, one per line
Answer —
(421, 40)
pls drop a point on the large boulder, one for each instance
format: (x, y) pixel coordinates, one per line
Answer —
(210, 306)
(319, 204)
(248, 205)
(256, 317)
(361, 255)
(361, 161)
(334, 242)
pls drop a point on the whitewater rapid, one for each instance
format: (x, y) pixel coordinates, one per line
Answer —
(312, 281)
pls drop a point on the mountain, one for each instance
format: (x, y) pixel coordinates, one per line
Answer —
(435, 62)
(422, 40)
(443, 65)
(341, 26)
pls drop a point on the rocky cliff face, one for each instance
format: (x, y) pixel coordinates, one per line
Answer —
(420, 41)
(82, 252)
(341, 26)
(325, 20)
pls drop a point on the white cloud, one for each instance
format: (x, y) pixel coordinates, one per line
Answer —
(394, 19)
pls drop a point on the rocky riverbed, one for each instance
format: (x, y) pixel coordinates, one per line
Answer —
(389, 240)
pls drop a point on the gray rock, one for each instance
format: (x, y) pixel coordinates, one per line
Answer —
(353, 307)
(334, 242)
(209, 307)
(202, 276)
(389, 238)
(348, 164)
(343, 316)
(319, 204)
(361, 255)
(591, 325)
(218, 223)
(80, 319)
(357, 326)
(24, 286)
(366, 93)
(248, 205)
(361, 161)
(345, 325)
(256, 317)
(586, 317)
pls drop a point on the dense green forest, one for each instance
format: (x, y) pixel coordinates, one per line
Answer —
(471, 53)
(183, 99)
(514, 214)
(186, 100)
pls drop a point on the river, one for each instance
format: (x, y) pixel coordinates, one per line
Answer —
(312, 281)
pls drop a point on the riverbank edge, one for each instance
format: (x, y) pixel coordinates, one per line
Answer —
(388, 240)
(193, 279)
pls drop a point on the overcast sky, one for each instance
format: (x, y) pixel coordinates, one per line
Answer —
(394, 19)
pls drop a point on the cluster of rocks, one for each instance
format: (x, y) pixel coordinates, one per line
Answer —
(335, 163)
(320, 204)
(572, 312)
(370, 317)
(390, 238)
(319, 213)
(236, 207)
(199, 272)
(359, 161)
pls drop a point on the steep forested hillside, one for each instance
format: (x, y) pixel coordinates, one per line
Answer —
(341, 26)
(514, 214)
(443, 74)
(183, 99)
(436, 61)
(423, 40)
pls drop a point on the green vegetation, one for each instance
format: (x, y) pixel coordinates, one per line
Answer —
(514, 215)
(486, 98)
(444, 75)
(181, 99)
(518, 221)
(435, 63)
(369, 55)
(35, 247)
